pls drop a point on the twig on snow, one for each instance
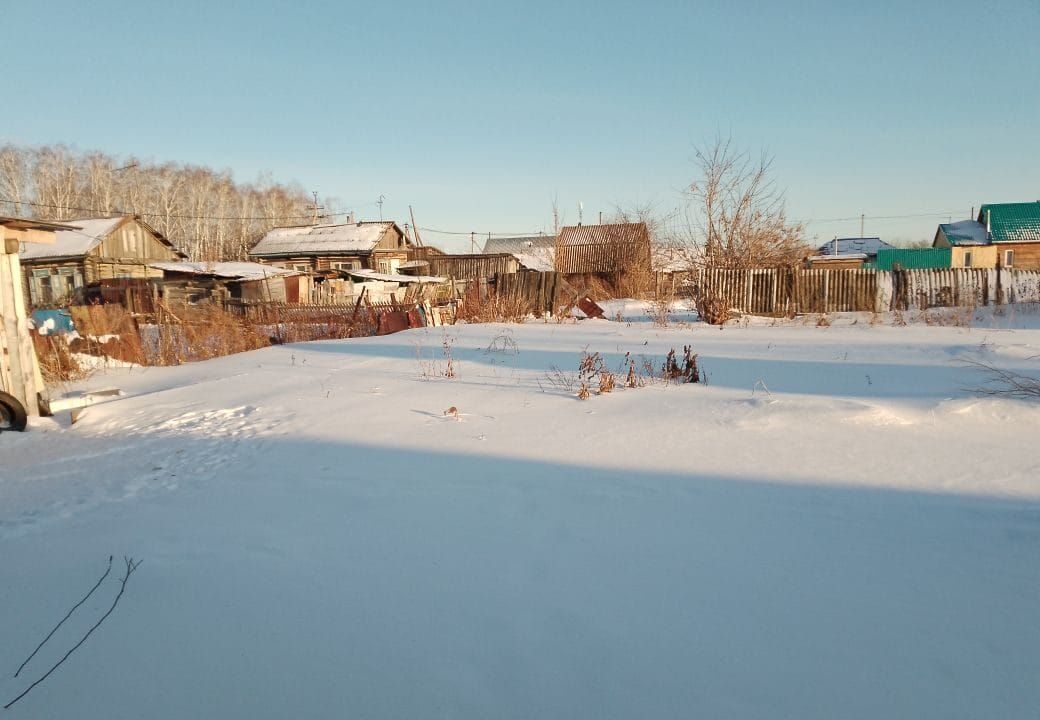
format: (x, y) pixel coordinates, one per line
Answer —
(67, 616)
(130, 567)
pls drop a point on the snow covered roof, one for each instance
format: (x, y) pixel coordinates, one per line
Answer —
(868, 246)
(74, 242)
(349, 238)
(965, 232)
(839, 256)
(1012, 222)
(387, 277)
(540, 261)
(514, 245)
(230, 270)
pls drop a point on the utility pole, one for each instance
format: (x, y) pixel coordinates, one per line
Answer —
(472, 242)
(862, 218)
(315, 207)
(415, 228)
(379, 202)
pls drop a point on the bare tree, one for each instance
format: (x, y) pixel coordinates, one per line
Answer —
(203, 212)
(735, 215)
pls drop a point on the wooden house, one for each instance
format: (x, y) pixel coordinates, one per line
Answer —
(1014, 230)
(89, 251)
(1004, 235)
(379, 246)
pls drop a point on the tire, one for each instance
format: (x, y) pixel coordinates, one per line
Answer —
(12, 413)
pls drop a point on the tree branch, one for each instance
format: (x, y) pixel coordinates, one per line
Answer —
(130, 567)
(67, 616)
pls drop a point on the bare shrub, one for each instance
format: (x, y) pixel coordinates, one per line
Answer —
(494, 308)
(57, 363)
(687, 372)
(1006, 383)
(735, 213)
(443, 367)
(711, 308)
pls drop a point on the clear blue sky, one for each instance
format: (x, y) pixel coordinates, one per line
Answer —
(477, 114)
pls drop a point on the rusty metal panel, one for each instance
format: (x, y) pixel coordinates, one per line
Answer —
(589, 307)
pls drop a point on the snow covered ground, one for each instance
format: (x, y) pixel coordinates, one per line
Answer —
(834, 526)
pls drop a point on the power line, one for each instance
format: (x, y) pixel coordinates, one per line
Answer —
(176, 216)
(481, 233)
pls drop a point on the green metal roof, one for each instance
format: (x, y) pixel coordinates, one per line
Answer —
(914, 258)
(1012, 222)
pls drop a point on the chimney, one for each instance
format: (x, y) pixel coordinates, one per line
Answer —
(350, 218)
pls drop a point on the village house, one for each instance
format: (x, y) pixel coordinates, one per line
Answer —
(1014, 228)
(379, 246)
(89, 252)
(847, 253)
(1004, 235)
(968, 244)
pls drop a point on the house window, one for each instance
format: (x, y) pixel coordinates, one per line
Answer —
(1009, 258)
(347, 265)
(302, 267)
(967, 259)
(384, 266)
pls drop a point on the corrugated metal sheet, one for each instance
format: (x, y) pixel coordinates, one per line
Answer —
(514, 245)
(964, 232)
(616, 247)
(1012, 222)
(914, 258)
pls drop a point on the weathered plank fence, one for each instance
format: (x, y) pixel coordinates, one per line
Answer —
(786, 291)
(19, 373)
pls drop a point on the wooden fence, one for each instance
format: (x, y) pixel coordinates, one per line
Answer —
(785, 291)
(542, 292)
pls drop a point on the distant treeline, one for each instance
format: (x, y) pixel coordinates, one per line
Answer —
(201, 211)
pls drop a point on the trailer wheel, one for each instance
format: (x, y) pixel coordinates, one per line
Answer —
(12, 413)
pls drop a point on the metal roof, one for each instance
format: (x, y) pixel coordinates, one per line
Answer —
(513, 245)
(604, 234)
(1012, 222)
(868, 246)
(964, 232)
(345, 239)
